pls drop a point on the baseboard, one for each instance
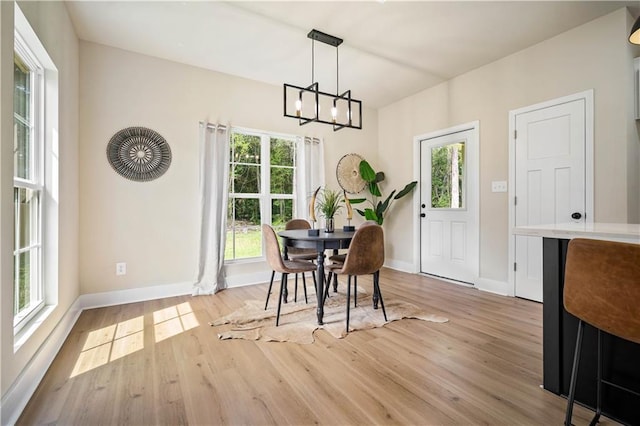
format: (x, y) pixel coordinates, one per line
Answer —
(492, 286)
(23, 388)
(141, 294)
(241, 280)
(399, 265)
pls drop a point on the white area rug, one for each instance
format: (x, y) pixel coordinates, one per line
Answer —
(298, 321)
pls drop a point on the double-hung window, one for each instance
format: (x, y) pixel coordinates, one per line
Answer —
(261, 189)
(28, 183)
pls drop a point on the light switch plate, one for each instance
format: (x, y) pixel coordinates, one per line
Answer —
(499, 186)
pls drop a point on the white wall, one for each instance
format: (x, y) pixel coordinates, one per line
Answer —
(595, 56)
(153, 226)
(51, 23)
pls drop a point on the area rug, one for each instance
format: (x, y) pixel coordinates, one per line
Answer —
(298, 321)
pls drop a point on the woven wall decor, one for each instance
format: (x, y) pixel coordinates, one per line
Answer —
(348, 173)
(139, 154)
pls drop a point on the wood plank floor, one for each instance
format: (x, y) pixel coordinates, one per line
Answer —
(160, 363)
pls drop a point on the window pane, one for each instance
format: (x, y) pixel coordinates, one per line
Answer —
(244, 236)
(23, 281)
(281, 213)
(22, 88)
(447, 176)
(281, 180)
(26, 220)
(245, 148)
(246, 179)
(22, 119)
(282, 152)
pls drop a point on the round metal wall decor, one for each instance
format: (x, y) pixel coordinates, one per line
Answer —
(348, 173)
(139, 154)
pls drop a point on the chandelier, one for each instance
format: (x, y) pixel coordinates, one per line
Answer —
(309, 104)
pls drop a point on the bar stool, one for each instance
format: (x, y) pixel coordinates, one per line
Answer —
(602, 288)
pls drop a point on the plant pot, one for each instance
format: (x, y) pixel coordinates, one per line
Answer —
(328, 225)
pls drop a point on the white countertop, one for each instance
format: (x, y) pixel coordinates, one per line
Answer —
(626, 232)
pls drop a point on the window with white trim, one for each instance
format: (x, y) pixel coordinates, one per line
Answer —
(36, 186)
(28, 183)
(261, 189)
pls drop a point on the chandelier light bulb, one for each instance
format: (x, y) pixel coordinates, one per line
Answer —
(298, 107)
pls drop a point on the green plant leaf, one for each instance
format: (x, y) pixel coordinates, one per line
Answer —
(374, 189)
(357, 200)
(360, 212)
(407, 189)
(366, 172)
(379, 177)
(369, 214)
(386, 202)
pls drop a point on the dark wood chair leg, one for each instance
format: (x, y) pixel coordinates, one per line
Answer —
(273, 274)
(376, 290)
(355, 291)
(283, 285)
(295, 289)
(335, 283)
(596, 418)
(574, 374)
(304, 286)
(348, 300)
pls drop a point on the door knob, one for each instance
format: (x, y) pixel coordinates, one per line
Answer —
(576, 215)
(423, 215)
(424, 205)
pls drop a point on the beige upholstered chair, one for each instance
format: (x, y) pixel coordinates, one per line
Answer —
(365, 256)
(278, 264)
(602, 288)
(295, 253)
(339, 259)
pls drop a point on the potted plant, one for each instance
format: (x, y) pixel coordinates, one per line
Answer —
(377, 208)
(329, 203)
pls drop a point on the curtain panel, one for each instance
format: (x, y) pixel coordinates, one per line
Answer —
(214, 184)
(309, 172)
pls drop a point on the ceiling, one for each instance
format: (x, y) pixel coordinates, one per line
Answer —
(391, 49)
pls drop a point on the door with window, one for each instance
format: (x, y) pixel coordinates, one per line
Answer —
(550, 180)
(449, 204)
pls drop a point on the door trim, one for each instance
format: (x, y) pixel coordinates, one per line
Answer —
(474, 127)
(587, 96)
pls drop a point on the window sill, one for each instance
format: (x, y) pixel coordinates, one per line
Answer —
(30, 328)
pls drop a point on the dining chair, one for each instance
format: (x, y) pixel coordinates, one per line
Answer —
(279, 264)
(602, 289)
(339, 259)
(296, 253)
(365, 256)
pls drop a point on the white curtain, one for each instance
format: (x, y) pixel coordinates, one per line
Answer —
(309, 173)
(214, 181)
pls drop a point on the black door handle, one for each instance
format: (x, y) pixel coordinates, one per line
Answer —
(576, 215)
(423, 215)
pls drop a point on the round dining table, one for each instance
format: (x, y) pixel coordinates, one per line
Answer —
(301, 238)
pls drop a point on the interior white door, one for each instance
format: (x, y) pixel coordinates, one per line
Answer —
(549, 182)
(449, 205)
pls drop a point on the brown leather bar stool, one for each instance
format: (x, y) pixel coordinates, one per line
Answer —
(602, 288)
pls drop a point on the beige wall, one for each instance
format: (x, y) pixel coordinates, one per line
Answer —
(153, 226)
(593, 56)
(53, 26)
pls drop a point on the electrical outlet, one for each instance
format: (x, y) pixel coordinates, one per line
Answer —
(499, 186)
(121, 268)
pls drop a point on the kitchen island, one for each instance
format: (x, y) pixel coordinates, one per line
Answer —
(621, 359)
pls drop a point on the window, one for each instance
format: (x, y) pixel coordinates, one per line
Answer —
(35, 181)
(27, 182)
(261, 189)
(448, 176)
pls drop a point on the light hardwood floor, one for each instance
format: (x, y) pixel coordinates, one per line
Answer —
(159, 362)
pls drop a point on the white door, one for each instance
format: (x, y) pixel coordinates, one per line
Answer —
(449, 204)
(549, 182)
